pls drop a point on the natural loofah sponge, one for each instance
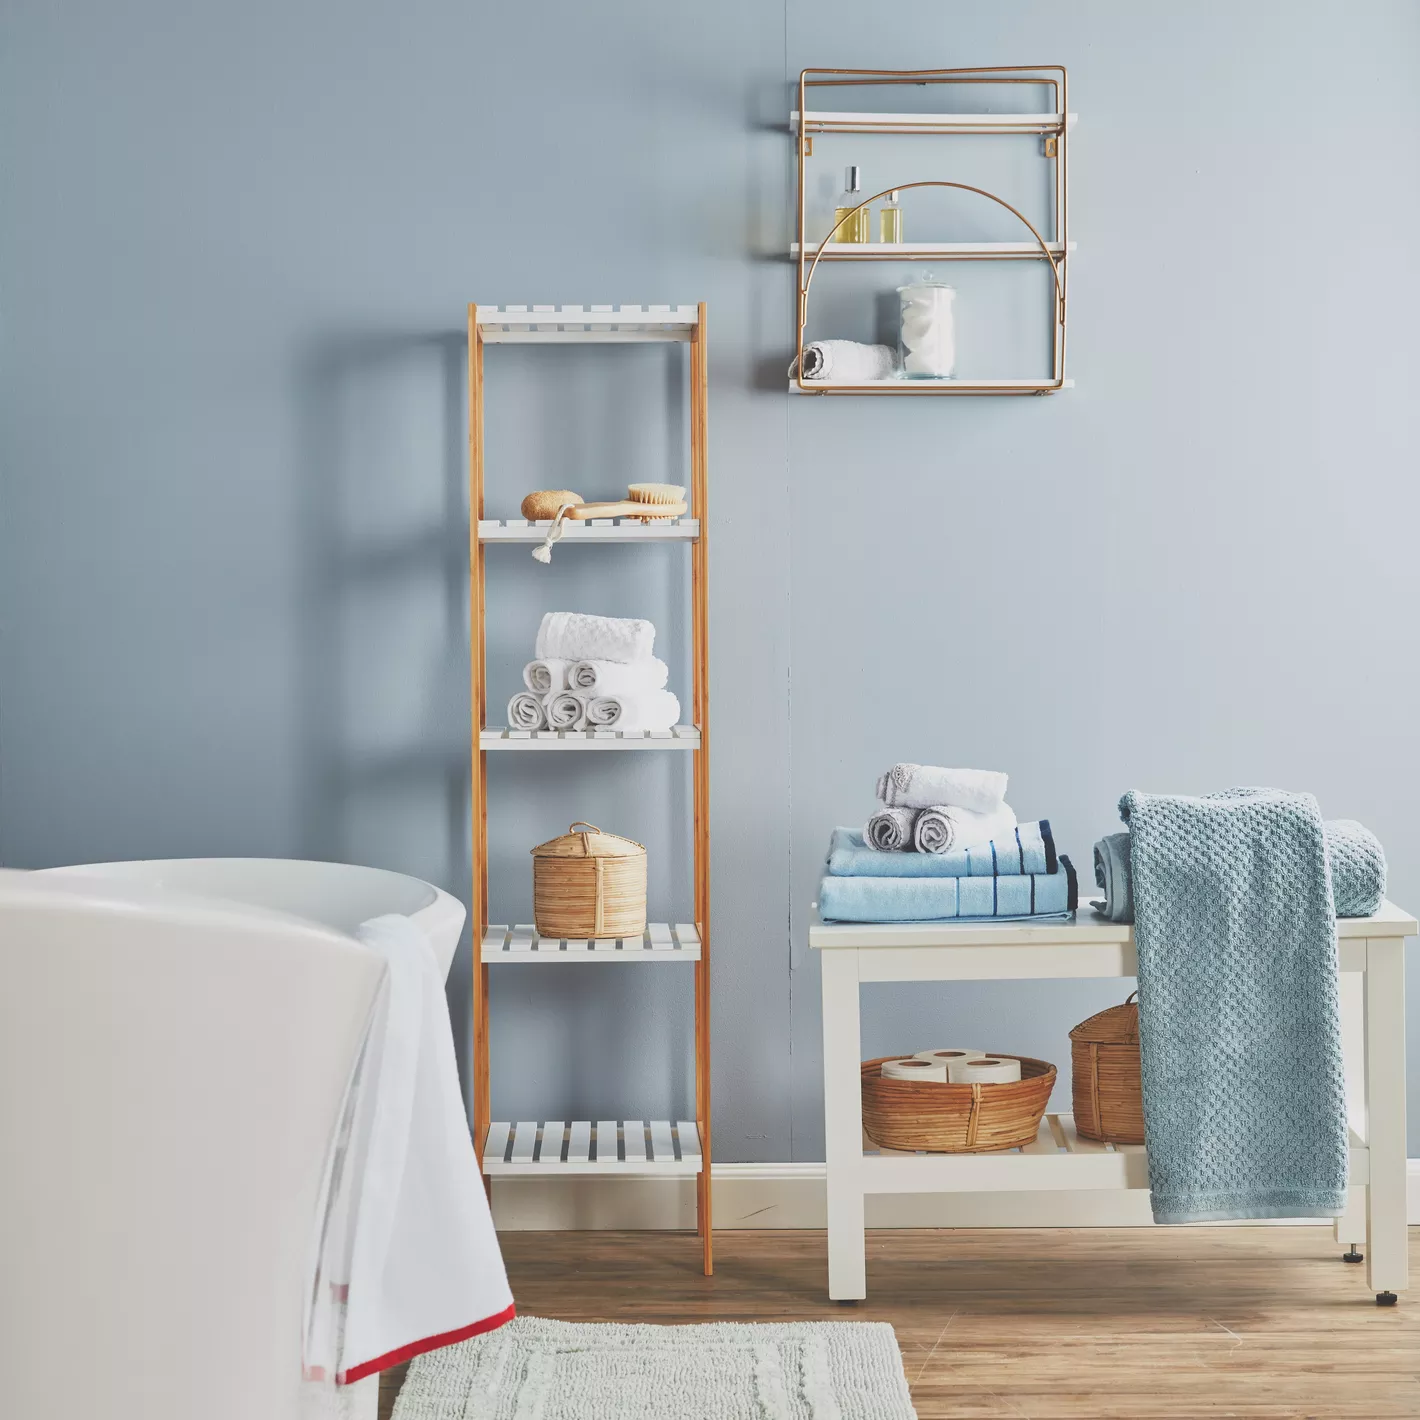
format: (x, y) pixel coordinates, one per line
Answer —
(547, 502)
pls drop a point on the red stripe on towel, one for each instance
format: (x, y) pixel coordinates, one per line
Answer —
(429, 1343)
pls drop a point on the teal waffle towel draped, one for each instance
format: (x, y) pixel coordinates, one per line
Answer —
(1239, 1023)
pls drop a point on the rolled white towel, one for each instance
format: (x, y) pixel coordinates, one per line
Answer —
(650, 710)
(848, 361)
(617, 677)
(545, 675)
(928, 786)
(564, 710)
(944, 828)
(574, 636)
(525, 711)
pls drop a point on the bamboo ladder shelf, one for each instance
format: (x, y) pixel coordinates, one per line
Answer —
(628, 1148)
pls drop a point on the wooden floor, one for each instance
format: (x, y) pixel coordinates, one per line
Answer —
(1134, 1323)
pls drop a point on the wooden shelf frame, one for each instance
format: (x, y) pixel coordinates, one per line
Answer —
(683, 1147)
(1052, 126)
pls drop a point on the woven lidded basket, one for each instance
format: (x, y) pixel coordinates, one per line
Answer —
(589, 884)
(1104, 1074)
(955, 1119)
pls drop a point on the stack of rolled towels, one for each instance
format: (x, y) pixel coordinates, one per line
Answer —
(594, 672)
(954, 1065)
(943, 845)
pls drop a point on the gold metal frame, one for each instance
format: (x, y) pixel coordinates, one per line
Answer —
(700, 700)
(1051, 76)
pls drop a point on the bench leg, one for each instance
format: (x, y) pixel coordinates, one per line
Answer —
(1387, 1263)
(843, 1125)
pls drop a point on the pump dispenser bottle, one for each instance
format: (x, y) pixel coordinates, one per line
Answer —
(856, 228)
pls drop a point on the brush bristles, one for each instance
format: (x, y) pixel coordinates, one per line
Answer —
(656, 493)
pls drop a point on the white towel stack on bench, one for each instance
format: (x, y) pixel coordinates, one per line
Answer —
(595, 671)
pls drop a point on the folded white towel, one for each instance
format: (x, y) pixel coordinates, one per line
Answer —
(650, 710)
(848, 361)
(564, 710)
(545, 675)
(525, 711)
(573, 636)
(617, 677)
(944, 828)
(927, 786)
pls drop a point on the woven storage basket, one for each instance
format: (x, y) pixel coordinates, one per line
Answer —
(1104, 1074)
(589, 884)
(955, 1119)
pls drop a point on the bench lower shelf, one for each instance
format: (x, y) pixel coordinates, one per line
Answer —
(629, 1148)
(1059, 1159)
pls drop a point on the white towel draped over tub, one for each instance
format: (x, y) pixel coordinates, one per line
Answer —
(406, 1259)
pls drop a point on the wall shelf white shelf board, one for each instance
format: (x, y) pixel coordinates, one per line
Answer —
(604, 530)
(929, 251)
(824, 121)
(501, 737)
(521, 946)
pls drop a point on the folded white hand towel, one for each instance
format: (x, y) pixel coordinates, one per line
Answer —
(944, 828)
(617, 677)
(564, 710)
(848, 361)
(525, 711)
(545, 675)
(927, 786)
(650, 710)
(574, 636)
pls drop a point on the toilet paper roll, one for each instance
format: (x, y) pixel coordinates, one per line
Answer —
(952, 1056)
(914, 1069)
(990, 1071)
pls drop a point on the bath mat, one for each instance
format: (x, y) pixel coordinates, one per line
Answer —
(557, 1370)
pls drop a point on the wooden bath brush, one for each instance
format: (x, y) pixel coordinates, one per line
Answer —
(666, 499)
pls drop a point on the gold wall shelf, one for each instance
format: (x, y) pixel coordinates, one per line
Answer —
(1053, 127)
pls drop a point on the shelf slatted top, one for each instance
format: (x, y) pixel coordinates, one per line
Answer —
(521, 946)
(823, 121)
(925, 251)
(586, 324)
(619, 1148)
(601, 530)
(501, 737)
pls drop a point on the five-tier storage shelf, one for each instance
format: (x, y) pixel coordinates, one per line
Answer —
(1052, 125)
(607, 1148)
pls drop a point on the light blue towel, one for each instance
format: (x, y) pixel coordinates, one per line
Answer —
(872, 899)
(1030, 850)
(1354, 853)
(1239, 1027)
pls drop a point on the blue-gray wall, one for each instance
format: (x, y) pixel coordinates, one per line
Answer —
(236, 242)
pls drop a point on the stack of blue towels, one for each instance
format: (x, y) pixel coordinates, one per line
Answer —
(1014, 873)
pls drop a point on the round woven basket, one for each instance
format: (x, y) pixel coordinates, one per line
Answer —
(955, 1119)
(587, 883)
(1104, 1076)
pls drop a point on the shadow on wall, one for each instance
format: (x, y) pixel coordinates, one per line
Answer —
(384, 675)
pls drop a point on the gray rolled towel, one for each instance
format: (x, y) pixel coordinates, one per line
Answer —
(525, 711)
(890, 830)
(1355, 855)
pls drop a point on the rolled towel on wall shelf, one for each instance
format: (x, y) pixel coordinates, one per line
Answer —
(617, 677)
(848, 362)
(575, 636)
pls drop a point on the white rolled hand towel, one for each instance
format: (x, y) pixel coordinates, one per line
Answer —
(525, 711)
(565, 711)
(944, 828)
(848, 361)
(574, 636)
(928, 786)
(546, 675)
(650, 710)
(617, 677)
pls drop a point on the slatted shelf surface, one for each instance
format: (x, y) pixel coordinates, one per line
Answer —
(520, 945)
(501, 737)
(597, 530)
(617, 1147)
(593, 324)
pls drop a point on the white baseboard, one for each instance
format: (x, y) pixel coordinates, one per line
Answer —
(792, 1196)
